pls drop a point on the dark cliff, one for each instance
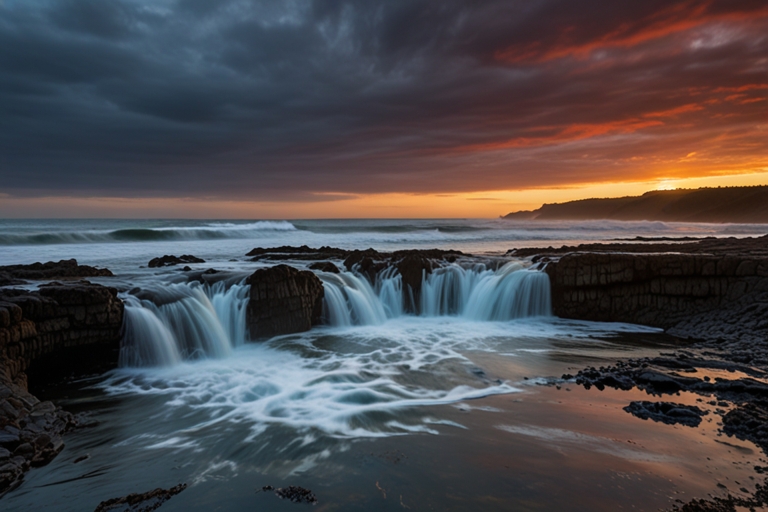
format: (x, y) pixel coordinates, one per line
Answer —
(690, 294)
(57, 328)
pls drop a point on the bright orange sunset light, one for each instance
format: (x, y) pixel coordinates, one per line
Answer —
(487, 204)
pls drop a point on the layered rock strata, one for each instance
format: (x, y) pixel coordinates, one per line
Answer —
(12, 275)
(51, 323)
(691, 294)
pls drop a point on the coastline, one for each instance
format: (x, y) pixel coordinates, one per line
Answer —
(735, 350)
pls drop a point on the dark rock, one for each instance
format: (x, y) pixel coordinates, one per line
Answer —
(283, 300)
(368, 263)
(325, 266)
(169, 260)
(712, 289)
(25, 450)
(64, 269)
(666, 412)
(140, 502)
(757, 501)
(749, 421)
(296, 494)
(54, 329)
(303, 252)
(414, 268)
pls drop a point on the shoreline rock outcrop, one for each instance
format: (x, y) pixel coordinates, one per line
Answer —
(705, 290)
(170, 260)
(48, 329)
(13, 275)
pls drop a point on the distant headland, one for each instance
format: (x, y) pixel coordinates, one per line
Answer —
(727, 204)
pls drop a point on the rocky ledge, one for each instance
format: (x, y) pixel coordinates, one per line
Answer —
(60, 326)
(170, 260)
(12, 275)
(710, 289)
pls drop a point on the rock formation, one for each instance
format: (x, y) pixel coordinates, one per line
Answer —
(325, 266)
(283, 300)
(46, 327)
(12, 275)
(170, 260)
(709, 289)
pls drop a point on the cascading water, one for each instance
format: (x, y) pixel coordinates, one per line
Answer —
(474, 293)
(164, 326)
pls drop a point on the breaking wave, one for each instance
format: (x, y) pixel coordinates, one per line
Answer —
(211, 231)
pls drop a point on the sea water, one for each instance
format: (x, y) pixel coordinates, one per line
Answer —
(386, 405)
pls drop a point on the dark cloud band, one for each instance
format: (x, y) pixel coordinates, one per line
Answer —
(284, 99)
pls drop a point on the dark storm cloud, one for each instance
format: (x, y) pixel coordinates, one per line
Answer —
(282, 99)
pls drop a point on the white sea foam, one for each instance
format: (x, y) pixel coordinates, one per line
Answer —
(345, 382)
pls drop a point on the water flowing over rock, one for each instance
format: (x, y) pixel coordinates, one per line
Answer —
(413, 265)
(283, 300)
(475, 293)
(167, 324)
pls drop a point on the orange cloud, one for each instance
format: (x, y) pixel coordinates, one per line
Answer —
(673, 20)
(570, 133)
(683, 109)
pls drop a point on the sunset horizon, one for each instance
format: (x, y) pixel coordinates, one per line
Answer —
(328, 109)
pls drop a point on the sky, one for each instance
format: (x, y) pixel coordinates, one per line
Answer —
(396, 108)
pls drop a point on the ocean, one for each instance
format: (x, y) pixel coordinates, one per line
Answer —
(453, 408)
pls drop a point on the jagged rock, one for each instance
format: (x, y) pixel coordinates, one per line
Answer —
(170, 260)
(297, 253)
(325, 266)
(368, 262)
(749, 421)
(413, 268)
(55, 328)
(667, 412)
(65, 269)
(296, 494)
(140, 502)
(283, 300)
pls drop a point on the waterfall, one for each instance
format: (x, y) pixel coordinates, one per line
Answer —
(474, 293)
(169, 323)
(350, 300)
(165, 325)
